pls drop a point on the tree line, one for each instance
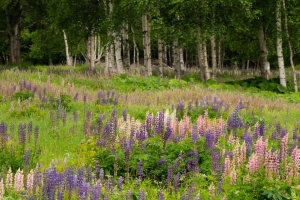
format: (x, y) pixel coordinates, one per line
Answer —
(209, 34)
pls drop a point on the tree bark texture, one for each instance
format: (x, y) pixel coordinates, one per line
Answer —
(263, 59)
(147, 44)
(213, 57)
(279, 45)
(126, 49)
(68, 57)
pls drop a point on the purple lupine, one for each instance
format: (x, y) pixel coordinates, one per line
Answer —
(161, 120)
(149, 124)
(22, 135)
(69, 179)
(216, 160)
(120, 183)
(169, 177)
(209, 140)
(156, 124)
(176, 181)
(262, 128)
(195, 134)
(195, 161)
(160, 195)
(36, 134)
(27, 158)
(248, 140)
(84, 191)
(169, 131)
(128, 195)
(140, 171)
(124, 114)
(101, 175)
(96, 192)
(76, 116)
(80, 177)
(161, 161)
(89, 174)
(60, 195)
(75, 98)
(141, 195)
(29, 131)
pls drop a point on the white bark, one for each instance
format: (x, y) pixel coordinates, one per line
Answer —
(279, 45)
(263, 60)
(160, 57)
(68, 57)
(200, 56)
(181, 59)
(213, 57)
(290, 48)
(176, 60)
(118, 50)
(206, 68)
(147, 44)
(126, 49)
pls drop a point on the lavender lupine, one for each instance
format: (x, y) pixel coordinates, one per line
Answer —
(169, 176)
(36, 134)
(262, 128)
(96, 191)
(140, 171)
(29, 131)
(195, 134)
(176, 182)
(160, 195)
(128, 195)
(141, 195)
(27, 158)
(120, 183)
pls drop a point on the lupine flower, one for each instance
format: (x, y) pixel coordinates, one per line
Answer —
(295, 162)
(19, 181)
(227, 166)
(29, 182)
(1, 188)
(195, 134)
(212, 190)
(9, 180)
(253, 163)
(160, 195)
(262, 128)
(96, 192)
(242, 157)
(141, 195)
(233, 177)
(27, 158)
(140, 171)
(176, 181)
(169, 176)
(120, 182)
(283, 149)
(261, 149)
(129, 195)
(272, 164)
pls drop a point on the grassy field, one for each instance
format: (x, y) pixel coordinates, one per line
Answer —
(137, 137)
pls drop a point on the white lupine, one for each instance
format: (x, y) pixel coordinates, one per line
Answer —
(19, 180)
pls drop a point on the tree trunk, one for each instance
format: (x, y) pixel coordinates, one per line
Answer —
(90, 51)
(219, 65)
(290, 48)
(181, 59)
(206, 68)
(147, 44)
(68, 57)
(160, 57)
(135, 48)
(200, 56)
(279, 45)
(263, 59)
(213, 57)
(14, 19)
(176, 55)
(118, 51)
(126, 50)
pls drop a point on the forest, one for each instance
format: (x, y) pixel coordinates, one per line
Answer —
(149, 99)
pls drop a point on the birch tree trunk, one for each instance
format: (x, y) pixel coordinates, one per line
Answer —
(206, 68)
(147, 44)
(219, 65)
(200, 56)
(68, 57)
(160, 57)
(176, 55)
(14, 20)
(136, 54)
(118, 51)
(263, 59)
(92, 50)
(290, 48)
(181, 59)
(213, 57)
(279, 45)
(126, 50)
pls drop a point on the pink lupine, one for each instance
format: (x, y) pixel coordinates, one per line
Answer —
(242, 157)
(235, 153)
(212, 191)
(260, 150)
(283, 148)
(233, 177)
(19, 180)
(289, 172)
(247, 179)
(227, 166)
(206, 118)
(272, 164)
(9, 180)
(29, 182)
(253, 163)
(1, 189)
(295, 162)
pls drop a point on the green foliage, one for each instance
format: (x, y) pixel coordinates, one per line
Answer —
(29, 111)
(23, 95)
